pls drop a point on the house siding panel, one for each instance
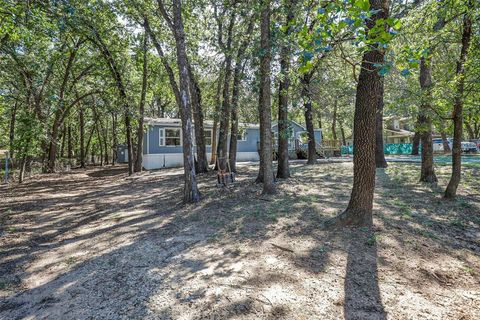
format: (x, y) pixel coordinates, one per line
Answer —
(250, 145)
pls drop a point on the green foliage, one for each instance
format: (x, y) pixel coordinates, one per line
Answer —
(340, 21)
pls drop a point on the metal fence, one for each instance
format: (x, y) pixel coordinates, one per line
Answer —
(389, 148)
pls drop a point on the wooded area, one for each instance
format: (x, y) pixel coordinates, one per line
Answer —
(83, 82)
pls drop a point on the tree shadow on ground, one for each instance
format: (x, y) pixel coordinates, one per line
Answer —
(362, 293)
(162, 260)
(134, 279)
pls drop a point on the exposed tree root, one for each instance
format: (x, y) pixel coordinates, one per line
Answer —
(350, 218)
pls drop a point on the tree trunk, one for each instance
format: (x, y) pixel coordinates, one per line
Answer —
(334, 120)
(237, 75)
(191, 193)
(89, 140)
(128, 133)
(369, 91)
(52, 149)
(471, 132)
(62, 147)
(380, 161)
(21, 175)
(13, 117)
(165, 62)
(82, 138)
(264, 106)
(140, 133)
(62, 110)
(446, 145)
(451, 191)
(307, 100)
(225, 106)
(100, 144)
(92, 155)
(105, 142)
(283, 169)
(213, 159)
(342, 132)
(114, 139)
(425, 122)
(117, 76)
(416, 143)
(196, 94)
(232, 155)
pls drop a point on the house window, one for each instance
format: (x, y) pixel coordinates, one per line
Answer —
(170, 137)
(208, 137)
(242, 135)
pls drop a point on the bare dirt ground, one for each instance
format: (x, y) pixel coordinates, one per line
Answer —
(98, 244)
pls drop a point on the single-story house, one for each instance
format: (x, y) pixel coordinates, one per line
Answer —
(162, 146)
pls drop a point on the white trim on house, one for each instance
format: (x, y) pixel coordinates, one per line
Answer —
(247, 156)
(171, 160)
(165, 160)
(161, 137)
(164, 137)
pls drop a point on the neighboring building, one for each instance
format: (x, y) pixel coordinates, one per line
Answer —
(162, 146)
(397, 130)
(297, 136)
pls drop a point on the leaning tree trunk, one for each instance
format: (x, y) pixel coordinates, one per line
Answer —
(471, 133)
(140, 130)
(117, 76)
(451, 191)
(380, 161)
(427, 173)
(283, 169)
(191, 193)
(369, 91)
(264, 106)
